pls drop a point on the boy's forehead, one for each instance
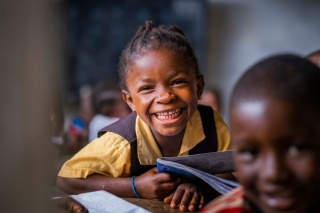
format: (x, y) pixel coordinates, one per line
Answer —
(265, 106)
(272, 117)
(251, 107)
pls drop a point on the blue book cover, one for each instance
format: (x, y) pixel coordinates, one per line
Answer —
(202, 166)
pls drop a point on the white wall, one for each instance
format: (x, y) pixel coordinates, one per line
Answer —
(242, 32)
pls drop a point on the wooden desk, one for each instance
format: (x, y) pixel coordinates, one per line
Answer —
(155, 206)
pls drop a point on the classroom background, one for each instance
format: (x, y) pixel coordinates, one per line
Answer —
(54, 52)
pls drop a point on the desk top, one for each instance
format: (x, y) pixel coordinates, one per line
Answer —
(152, 205)
(155, 206)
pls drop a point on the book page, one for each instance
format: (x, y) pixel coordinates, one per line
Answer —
(219, 184)
(212, 162)
(104, 202)
(202, 166)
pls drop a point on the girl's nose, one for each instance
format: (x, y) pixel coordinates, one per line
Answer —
(165, 96)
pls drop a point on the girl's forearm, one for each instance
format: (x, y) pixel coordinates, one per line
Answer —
(118, 186)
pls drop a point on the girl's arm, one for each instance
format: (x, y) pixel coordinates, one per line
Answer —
(150, 185)
(117, 186)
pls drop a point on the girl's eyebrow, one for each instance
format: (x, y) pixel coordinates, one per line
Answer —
(145, 80)
(173, 73)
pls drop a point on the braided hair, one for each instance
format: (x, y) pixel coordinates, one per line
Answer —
(150, 38)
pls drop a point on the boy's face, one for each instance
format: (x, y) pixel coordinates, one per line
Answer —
(163, 90)
(277, 155)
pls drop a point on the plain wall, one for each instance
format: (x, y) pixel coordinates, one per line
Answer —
(241, 32)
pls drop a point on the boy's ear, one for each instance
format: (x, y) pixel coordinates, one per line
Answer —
(200, 85)
(127, 98)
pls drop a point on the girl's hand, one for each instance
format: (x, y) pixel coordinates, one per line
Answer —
(154, 185)
(188, 197)
(67, 204)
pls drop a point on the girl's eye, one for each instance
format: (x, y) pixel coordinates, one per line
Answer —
(179, 81)
(145, 88)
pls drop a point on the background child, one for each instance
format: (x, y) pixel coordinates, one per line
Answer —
(108, 106)
(314, 57)
(274, 115)
(211, 97)
(161, 83)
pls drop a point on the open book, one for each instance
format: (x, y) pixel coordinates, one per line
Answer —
(202, 166)
(104, 202)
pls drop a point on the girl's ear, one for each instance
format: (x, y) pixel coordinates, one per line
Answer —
(127, 98)
(200, 86)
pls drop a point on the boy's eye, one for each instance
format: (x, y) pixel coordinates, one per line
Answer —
(247, 155)
(295, 149)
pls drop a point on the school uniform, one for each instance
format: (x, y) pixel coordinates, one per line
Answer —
(231, 202)
(127, 147)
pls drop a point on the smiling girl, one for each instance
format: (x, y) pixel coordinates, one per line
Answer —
(161, 83)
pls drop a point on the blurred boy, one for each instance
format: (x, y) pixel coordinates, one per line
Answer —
(274, 116)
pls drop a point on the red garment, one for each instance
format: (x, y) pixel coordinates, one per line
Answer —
(232, 202)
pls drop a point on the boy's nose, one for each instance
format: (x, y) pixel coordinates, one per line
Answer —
(274, 168)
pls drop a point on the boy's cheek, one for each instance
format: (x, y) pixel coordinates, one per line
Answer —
(307, 168)
(245, 173)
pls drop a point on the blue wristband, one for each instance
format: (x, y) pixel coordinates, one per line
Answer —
(133, 187)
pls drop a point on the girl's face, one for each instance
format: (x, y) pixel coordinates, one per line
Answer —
(163, 89)
(277, 155)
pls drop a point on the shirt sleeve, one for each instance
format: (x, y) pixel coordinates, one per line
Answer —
(223, 133)
(108, 155)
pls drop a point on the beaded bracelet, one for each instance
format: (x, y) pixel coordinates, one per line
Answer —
(133, 187)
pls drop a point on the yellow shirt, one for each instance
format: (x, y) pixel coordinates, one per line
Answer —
(110, 154)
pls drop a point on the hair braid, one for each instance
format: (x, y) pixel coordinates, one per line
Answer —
(149, 38)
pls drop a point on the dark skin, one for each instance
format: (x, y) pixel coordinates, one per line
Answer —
(277, 149)
(161, 82)
(153, 185)
(150, 185)
(67, 205)
(163, 90)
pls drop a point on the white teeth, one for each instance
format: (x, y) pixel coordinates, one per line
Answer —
(169, 114)
(285, 194)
